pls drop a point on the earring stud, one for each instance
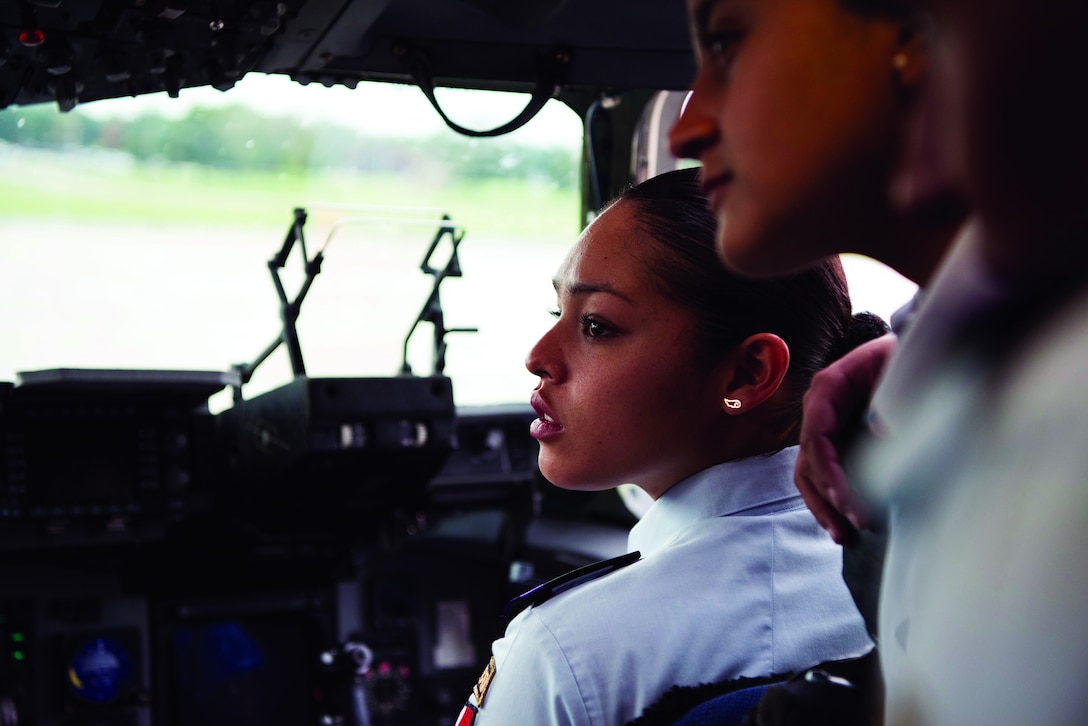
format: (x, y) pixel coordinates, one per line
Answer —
(732, 402)
(900, 61)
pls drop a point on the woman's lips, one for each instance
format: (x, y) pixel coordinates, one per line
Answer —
(716, 187)
(545, 426)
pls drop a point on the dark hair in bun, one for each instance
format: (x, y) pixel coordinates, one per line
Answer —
(865, 326)
(810, 310)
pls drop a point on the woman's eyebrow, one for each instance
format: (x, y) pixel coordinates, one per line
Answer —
(702, 13)
(707, 14)
(588, 288)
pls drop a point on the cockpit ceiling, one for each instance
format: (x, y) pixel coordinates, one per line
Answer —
(76, 51)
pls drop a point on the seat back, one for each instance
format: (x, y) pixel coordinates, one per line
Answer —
(726, 710)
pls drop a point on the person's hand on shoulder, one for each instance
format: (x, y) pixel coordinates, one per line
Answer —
(832, 405)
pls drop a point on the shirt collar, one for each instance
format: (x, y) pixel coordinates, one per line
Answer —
(963, 286)
(756, 485)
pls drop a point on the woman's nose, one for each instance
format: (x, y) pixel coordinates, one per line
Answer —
(542, 359)
(695, 130)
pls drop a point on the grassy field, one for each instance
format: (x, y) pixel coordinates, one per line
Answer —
(38, 185)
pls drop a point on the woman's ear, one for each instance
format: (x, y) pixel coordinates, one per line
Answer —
(914, 45)
(756, 370)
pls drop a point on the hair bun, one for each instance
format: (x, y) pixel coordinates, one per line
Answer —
(865, 326)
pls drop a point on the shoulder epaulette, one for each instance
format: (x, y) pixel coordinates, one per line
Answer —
(551, 588)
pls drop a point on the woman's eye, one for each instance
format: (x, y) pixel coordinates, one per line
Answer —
(554, 313)
(593, 328)
(720, 48)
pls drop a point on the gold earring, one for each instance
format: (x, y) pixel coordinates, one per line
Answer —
(900, 61)
(732, 402)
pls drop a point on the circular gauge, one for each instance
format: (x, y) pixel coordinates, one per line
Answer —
(100, 671)
(388, 688)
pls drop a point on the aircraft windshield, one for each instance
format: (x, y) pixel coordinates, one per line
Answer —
(136, 232)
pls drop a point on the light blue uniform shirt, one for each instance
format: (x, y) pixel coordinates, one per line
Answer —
(736, 579)
(984, 467)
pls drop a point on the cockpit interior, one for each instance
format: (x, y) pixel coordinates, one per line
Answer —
(326, 548)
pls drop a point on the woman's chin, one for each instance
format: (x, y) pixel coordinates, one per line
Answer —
(743, 257)
(754, 255)
(572, 481)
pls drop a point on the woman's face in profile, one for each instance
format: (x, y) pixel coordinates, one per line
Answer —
(620, 398)
(1005, 93)
(796, 121)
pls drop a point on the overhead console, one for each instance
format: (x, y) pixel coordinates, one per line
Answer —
(75, 51)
